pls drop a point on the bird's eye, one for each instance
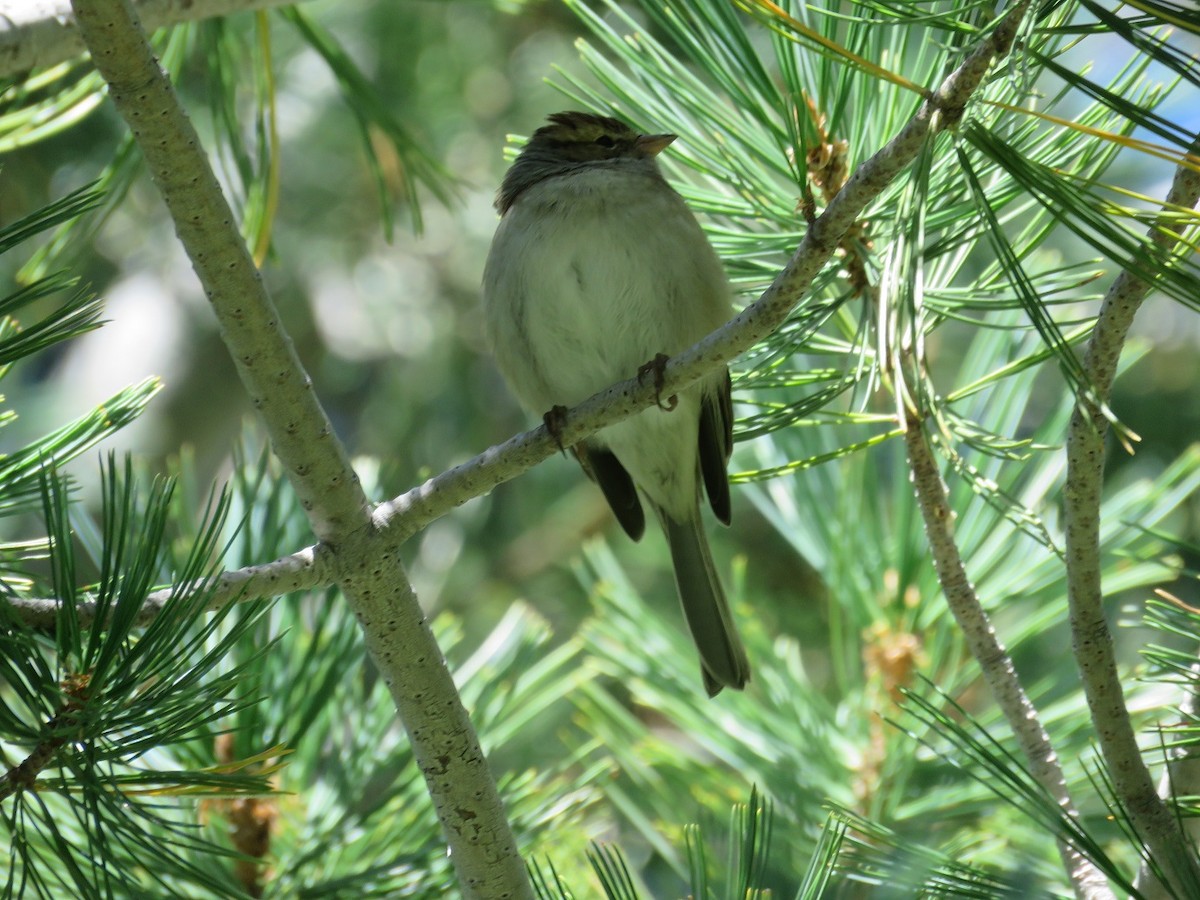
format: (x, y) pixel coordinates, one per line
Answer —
(605, 141)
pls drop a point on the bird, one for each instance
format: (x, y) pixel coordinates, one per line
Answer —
(597, 270)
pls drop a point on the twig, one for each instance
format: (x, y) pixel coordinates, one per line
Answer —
(44, 33)
(304, 570)
(1092, 640)
(410, 512)
(57, 732)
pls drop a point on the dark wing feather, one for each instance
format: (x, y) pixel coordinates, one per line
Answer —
(618, 488)
(723, 660)
(716, 444)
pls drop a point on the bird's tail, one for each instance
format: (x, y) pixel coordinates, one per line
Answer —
(722, 658)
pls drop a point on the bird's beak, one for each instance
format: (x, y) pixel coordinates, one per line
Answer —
(653, 144)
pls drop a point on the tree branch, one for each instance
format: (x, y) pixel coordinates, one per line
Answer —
(987, 650)
(1092, 640)
(38, 34)
(409, 513)
(397, 636)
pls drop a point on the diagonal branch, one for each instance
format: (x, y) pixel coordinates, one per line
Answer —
(408, 513)
(397, 636)
(1091, 638)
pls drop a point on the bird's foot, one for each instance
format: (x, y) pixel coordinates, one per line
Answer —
(658, 368)
(554, 420)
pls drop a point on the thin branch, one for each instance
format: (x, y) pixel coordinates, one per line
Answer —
(43, 34)
(482, 846)
(409, 513)
(57, 732)
(1092, 640)
(987, 650)
(305, 570)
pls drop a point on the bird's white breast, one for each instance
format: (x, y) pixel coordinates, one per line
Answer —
(590, 275)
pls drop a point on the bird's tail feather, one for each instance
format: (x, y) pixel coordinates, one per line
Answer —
(722, 658)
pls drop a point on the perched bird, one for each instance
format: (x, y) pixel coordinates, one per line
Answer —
(597, 267)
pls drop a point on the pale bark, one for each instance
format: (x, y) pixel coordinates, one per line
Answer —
(364, 564)
(1091, 637)
(39, 33)
(991, 655)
